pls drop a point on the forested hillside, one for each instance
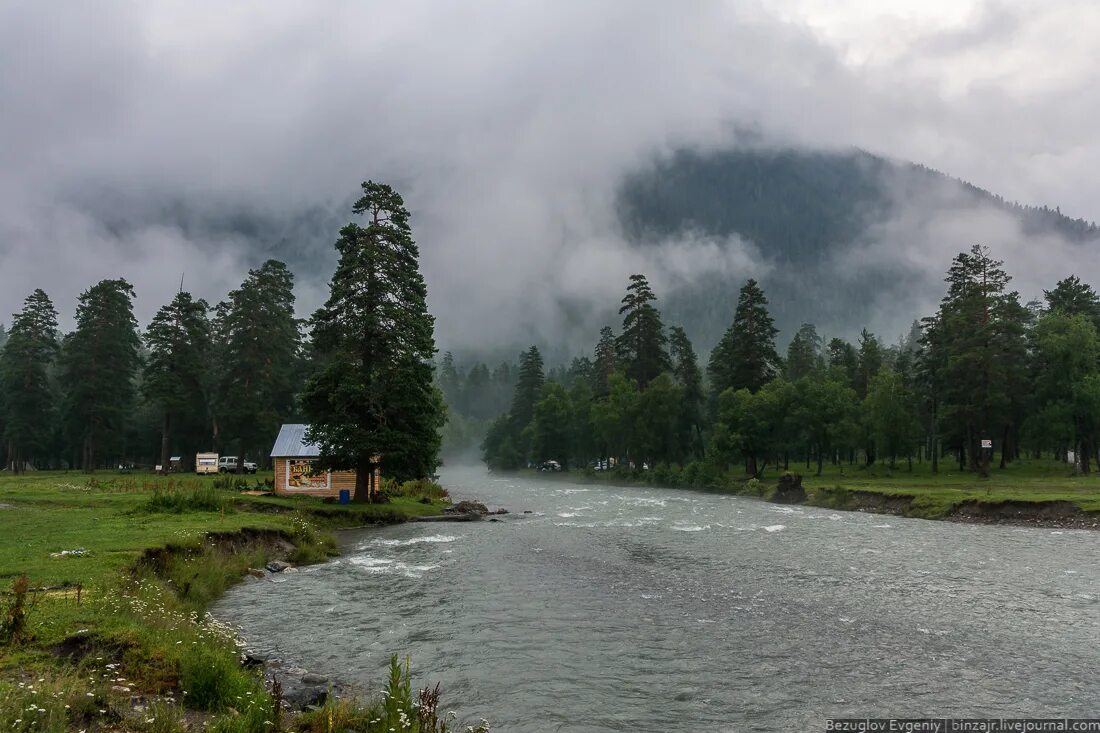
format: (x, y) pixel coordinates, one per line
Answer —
(800, 209)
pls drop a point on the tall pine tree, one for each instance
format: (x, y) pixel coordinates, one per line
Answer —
(604, 362)
(374, 395)
(177, 370)
(685, 367)
(641, 345)
(745, 357)
(803, 353)
(27, 401)
(98, 362)
(983, 328)
(258, 357)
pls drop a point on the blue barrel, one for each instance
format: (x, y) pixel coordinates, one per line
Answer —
(345, 496)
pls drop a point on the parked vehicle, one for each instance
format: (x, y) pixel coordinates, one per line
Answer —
(206, 463)
(228, 464)
(549, 466)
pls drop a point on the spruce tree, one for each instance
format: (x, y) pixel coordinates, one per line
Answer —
(528, 389)
(177, 370)
(685, 367)
(641, 345)
(983, 328)
(803, 353)
(1073, 297)
(870, 360)
(258, 361)
(374, 339)
(745, 357)
(27, 401)
(98, 362)
(604, 362)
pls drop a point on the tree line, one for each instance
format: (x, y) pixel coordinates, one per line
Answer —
(984, 378)
(225, 377)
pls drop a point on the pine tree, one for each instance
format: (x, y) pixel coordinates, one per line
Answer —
(641, 345)
(258, 360)
(891, 420)
(803, 353)
(374, 395)
(685, 367)
(983, 327)
(98, 362)
(843, 361)
(27, 401)
(449, 381)
(745, 357)
(177, 373)
(604, 362)
(1073, 297)
(870, 360)
(1067, 368)
(528, 389)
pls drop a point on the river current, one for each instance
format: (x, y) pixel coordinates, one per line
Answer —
(635, 609)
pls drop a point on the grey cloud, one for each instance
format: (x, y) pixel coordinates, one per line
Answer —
(140, 129)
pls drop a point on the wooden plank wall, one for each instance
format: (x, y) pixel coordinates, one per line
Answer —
(340, 480)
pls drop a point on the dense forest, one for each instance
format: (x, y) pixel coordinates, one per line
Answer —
(800, 209)
(985, 378)
(225, 377)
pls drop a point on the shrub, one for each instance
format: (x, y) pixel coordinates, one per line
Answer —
(13, 624)
(214, 681)
(206, 499)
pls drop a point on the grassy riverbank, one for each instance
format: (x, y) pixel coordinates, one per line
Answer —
(104, 583)
(1026, 492)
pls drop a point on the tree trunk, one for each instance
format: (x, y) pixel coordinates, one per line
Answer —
(750, 464)
(240, 456)
(164, 443)
(1083, 456)
(1005, 447)
(364, 481)
(819, 460)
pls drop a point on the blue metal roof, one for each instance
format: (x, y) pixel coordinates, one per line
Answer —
(291, 443)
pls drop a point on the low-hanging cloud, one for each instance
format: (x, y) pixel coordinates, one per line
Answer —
(148, 140)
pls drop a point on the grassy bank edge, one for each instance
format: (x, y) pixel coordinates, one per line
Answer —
(138, 651)
(979, 505)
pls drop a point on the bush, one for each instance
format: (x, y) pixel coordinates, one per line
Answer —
(206, 499)
(214, 681)
(13, 624)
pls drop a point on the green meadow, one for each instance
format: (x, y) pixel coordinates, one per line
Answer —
(104, 584)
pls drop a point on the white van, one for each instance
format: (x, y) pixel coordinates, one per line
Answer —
(228, 464)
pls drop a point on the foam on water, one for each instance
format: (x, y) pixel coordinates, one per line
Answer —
(415, 540)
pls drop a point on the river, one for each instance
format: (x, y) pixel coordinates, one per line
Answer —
(636, 609)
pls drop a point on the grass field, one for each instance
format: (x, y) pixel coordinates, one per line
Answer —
(1028, 481)
(107, 637)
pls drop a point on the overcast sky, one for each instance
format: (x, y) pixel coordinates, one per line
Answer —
(137, 137)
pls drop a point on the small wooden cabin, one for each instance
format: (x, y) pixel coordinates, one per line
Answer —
(294, 459)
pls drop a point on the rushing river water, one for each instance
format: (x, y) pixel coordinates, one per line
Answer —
(631, 609)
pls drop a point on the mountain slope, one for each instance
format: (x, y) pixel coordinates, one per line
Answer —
(809, 218)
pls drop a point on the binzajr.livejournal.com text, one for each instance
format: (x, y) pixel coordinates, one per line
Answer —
(963, 725)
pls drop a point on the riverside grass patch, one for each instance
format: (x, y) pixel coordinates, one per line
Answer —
(120, 570)
(931, 496)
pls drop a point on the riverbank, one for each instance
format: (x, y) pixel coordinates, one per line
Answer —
(1027, 493)
(104, 584)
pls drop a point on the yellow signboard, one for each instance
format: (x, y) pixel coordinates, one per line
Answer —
(301, 474)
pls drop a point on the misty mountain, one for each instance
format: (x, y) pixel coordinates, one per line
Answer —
(807, 218)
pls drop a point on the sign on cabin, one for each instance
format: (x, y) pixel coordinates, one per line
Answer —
(301, 474)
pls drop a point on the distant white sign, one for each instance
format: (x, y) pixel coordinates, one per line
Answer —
(987, 443)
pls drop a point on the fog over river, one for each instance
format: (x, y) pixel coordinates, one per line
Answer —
(635, 609)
